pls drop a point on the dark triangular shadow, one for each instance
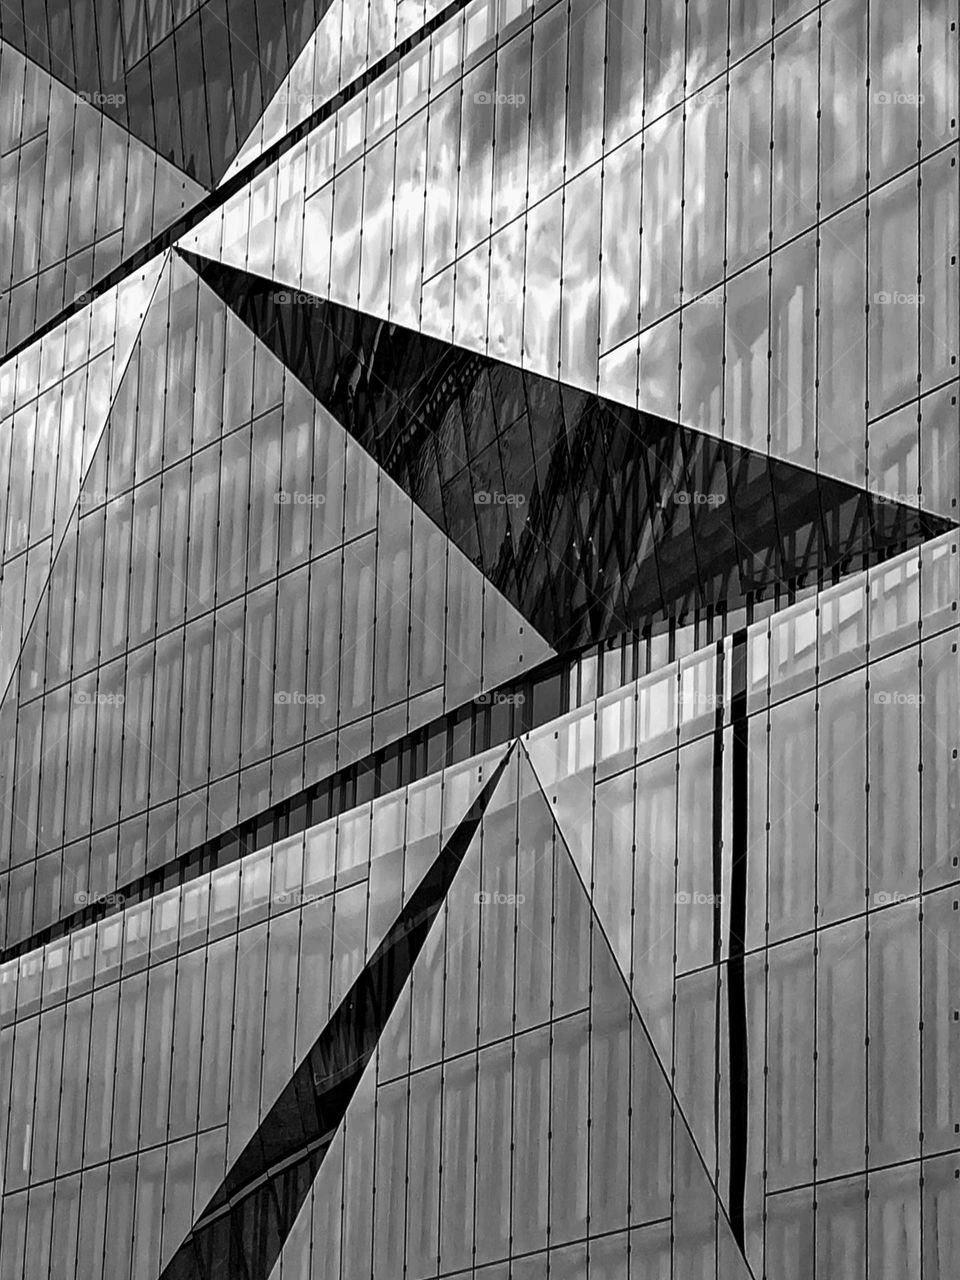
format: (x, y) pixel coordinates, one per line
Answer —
(591, 517)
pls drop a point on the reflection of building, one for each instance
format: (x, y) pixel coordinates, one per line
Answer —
(478, 628)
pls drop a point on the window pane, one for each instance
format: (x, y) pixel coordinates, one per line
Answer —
(841, 1029)
(547, 103)
(842, 816)
(894, 298)
(842, 345)
(793, 794)
(843, 103)
(660, 236)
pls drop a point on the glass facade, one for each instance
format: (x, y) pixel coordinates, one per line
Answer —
(479, 623)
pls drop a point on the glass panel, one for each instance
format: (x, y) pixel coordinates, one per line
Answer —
(541, 336)
(894, 88)
(660, 236)
(579, 317)
(345, 250)
(624, 71)
(843, 104)
(841, 827)
(748, 160)
(894, 778)
(793, 292)
(512, 114)
(894, 297)
(790, 1064)
(585, 76)
(248, 1041)
(795, 88)
(619, 277)
(569, 1096)
(408, 221)
(547, 103)
(389, 1225)
(458, 1138)
(939, 266)
(841, 1031)
(130, 1035)
(704, 141)
(789, 1238)
(531, 1119)
(701, 368)
(654, 895)
(792, 809)
(476, 158)
(894, 1049)
(696, 894)
(442, 160)
(941, 1050)
(664, 69)
(940, 728)
(378, 197)
(842, 345)
(423, 1173)
(841, 1228)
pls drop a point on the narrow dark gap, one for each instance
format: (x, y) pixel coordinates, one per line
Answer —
(736, 989)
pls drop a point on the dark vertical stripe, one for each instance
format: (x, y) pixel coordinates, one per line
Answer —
(736, 990)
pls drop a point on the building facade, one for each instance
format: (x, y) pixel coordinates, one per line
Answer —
(479, 621)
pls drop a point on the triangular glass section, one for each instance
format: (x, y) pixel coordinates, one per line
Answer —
(84, 194)
(58, 394)
(589, 517)
(245, 1224)
(349, 39)
(701, 1227)
(518, 1051)
(188, 80)
(238, 518)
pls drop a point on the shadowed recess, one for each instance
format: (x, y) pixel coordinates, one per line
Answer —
(592, 518)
